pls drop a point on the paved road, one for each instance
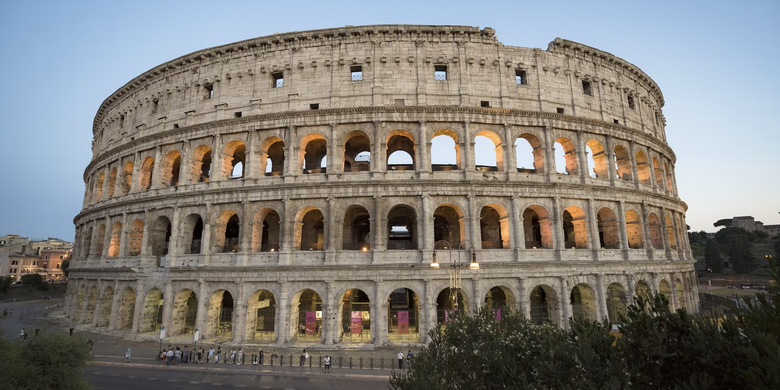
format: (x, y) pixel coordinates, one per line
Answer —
(144, 377)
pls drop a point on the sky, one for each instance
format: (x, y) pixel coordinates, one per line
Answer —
(715, 62)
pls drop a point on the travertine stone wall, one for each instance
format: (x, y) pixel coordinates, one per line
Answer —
(233, 186)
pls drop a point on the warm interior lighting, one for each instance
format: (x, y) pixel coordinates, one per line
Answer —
(365, 249)
(272, 249)
(474, 266)
(434, 263)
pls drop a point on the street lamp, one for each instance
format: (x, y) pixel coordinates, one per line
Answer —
(454, 269)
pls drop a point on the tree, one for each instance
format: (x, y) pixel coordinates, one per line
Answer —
(32, 279)
(777, 248)
(5, 282)
(65, 265)
(46, 361)
(712, 257)
(740, 254)
(726, 222)
(723, 235)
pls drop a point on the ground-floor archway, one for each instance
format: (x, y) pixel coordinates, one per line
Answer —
(220, 317)
(185, 309)
(126, 309)
(306, 315)
(403, 316)
(544, 304)
(92, 299)
(106, 303)
(666, 291)
(151, 320)
(680, 294)
(448, 302)
(79, 304)
(261, 317)
(499, 299)
(583, 302)
(355, 317)
(617, 302)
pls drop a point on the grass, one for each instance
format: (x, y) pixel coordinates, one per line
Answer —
(30, 292)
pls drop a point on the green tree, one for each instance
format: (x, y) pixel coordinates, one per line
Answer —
(32, 279)
(65, 265)
(712, 257)
(726, 222)
(777, 248)
(5, 283)
(739, 250)
(44, 362)
(723, 235)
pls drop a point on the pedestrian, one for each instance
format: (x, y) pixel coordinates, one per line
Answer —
(89, 342)
(211, 355)
(216, 357)
(169, 355)
(186, 357)
(326, 360)
(177, 356)
(240, 356)
(38, 330)
(232, 356)
(400, 360)
(22, 335)
(71, 331)
(304, 355)
(5, 312)
(127, 353)
(260, 357)
(409, 357)
(198, 355)
(163, 356)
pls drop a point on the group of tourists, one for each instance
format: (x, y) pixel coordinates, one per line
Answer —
(409, 356)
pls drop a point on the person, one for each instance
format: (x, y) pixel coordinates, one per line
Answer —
(400, 360)
(21, 335)
(211, 355)
(163, 356)
(89, 341)
(185, 355)
(326, 360)
(71, 331)
(216, 356)
(304, 355)
(232, 355)
(177, 355)
(260, 357)
(240, 356)
(409, 357)
(198, 355)
(38, 330)
(5, 312)
(169, 355)
(127, 353)
(274, 355)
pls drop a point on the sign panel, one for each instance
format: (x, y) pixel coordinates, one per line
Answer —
(356, 326)
(263, 303)
(196, 335)
(311, 322)
(403, 322)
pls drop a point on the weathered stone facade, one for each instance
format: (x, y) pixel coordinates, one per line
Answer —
(242, 188)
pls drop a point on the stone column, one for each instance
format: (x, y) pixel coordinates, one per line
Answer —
(565, 304)
(601, 307)
(282, 325)
(522, 299)
(173, 244)
(673, 287)
(287, 222)
(252, 164)
(429, 302)
(330, 331)
(98, 305)
(123, 237)
(647, 240)
(374, 162)
(549, 155)
(473, 221)
(623, 230)
(334, 163)
(518, 238)
(217, 157)
(510, 154)
(145, 237)
(290, 155)
(377, 232)
(631, 293)
(239, 315)
(205, 242)
(245, 234)
(610, 154)
(134, 187)
(593, 224)
(582, 156)
(202, 315)
(185, 166)
(665, 235)
(654, 282)
(331, 235)
(632, 159)
(556, 227)
(113, 319)
(104, 190)
(157, 169)
(376, 306)
(467, 152)
(138, 309)
(425, 149)
(168, 299)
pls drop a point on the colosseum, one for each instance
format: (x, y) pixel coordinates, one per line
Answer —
(296, 189)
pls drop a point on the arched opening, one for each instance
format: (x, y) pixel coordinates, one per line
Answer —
(145, 179)
(126, 309)
(598, 159)
(111, 182)
(655, 231)
(537, 228)
(226, 232)
(116, 238)
(448, 224)
(403, 316)
(135, 238)
(665, 290)
(87, 242)
(623, 163)
(499, 299)
(160, 237)
(233, 158)
(565, 157)
(356, 229)
(608, 228)
(310, 230)
(99, 187)
(544, 305)
(261, 316)
(106, 302)
(642, 289)
(171, 165)
(306, 316)
(220, 317)
(313, 152)
(449, 302)
(494, 227)
(670, 233)
(402, 228)
(668, 177)
(266, 228)
(529, 153)
(191, 234)
(617, 302)
(400, 151)
(642, 168)
(680, 294)
(357, 152)
(488, 151)
(200, 170)
(127, 178)
(272, 156)
(445, 151)
(92, 299)
(79, 304)
(101, 239)
(634, 230)
(185, 309)
(355, 317)
(658, 172)
(575, 228)
(583, 302)
(151, 320)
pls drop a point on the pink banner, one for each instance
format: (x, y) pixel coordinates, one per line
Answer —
(311, 322)
(498, 314)
(403, 322)
(357, 322)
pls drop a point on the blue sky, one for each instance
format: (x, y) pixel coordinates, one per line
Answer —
(716, 63)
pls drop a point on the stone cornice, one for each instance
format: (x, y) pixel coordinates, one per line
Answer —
(502, 113)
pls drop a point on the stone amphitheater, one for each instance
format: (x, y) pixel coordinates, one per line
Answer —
(294, 189)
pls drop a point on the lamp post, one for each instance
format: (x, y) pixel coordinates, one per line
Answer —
(454, 269)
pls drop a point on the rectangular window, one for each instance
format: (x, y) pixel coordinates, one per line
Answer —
(586, 88)
(14, 262)
(657, 121)
(485, 104)
(237, 114)
(440, 72)
(617, 122)
(208, 91)
(631, 104)
(122, 121)
(559, 110)
(357, 72)
(60, 257)
(155, 105)
(521, 77)
(278, 80)
(314, 106)
(47, 257)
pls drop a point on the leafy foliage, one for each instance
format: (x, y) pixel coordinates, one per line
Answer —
(5, 282)
(65, 265)
(712, 257)
(43, 362)
(32, 279)
(726, 222)
(740, 254)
